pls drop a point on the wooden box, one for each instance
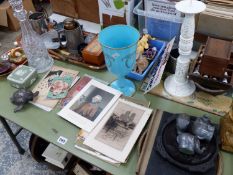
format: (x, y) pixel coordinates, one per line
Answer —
(210, 84)
(216, 57)
(92, 53)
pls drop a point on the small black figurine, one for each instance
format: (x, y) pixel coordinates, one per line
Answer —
(21, 97)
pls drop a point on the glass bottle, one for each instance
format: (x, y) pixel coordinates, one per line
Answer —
(32, 44)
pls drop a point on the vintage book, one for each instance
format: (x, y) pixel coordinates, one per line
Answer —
(56, 156)
(79, 170)
(44, 85)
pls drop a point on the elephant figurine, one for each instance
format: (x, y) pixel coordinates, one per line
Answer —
(189, 144)
(182, 123)
(203, 129)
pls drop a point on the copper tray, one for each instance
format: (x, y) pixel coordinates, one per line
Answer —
(58, 55)
(209, 85)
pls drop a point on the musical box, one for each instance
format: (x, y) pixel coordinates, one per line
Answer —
(216, 58)
(93, 53)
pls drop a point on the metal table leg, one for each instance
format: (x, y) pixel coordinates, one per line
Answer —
(12, 135)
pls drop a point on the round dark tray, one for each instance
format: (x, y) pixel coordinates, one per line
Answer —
(167, 147)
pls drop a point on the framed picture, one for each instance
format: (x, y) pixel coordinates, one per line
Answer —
(118, 131)
(89, 106)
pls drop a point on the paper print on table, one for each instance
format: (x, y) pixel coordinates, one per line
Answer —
(92, 102)
(88, 107)
(118, 131)
(59, 87)
(75, 90)
(120, 126)
(44, 85)
(81, 136)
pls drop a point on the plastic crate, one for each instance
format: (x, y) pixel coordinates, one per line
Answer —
(160, 45)
(157, 25)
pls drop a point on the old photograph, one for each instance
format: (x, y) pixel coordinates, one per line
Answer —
(92, 102)
(118, 129)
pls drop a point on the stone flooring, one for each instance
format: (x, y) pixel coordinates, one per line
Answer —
(11, 162)
(7, 39)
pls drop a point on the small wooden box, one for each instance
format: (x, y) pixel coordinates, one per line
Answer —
(92, 53)
(216, 57)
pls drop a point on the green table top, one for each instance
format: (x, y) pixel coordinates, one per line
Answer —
(44, 123)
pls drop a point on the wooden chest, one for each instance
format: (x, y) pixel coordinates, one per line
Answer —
(216, 57)
(92, 53)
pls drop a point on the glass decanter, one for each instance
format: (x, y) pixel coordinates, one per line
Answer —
(32, 44)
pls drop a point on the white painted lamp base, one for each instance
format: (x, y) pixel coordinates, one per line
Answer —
(178, 89)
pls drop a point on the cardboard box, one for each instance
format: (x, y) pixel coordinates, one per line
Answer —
(216, 21)
(65, 7)
(88, 10)
(79, 9)
(7, 18)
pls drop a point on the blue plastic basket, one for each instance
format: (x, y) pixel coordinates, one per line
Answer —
(160, 45)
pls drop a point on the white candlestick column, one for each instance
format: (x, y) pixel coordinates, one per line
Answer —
(178, 85)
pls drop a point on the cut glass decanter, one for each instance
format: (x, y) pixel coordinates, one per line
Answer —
(32, 44)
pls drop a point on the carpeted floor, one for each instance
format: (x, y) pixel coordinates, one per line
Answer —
(12, 163)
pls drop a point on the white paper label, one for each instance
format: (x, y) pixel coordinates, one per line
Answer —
(62, 140)
(163, 10)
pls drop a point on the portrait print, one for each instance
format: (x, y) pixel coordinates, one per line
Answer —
(119, 127)
(90, 105)
(92, 102)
